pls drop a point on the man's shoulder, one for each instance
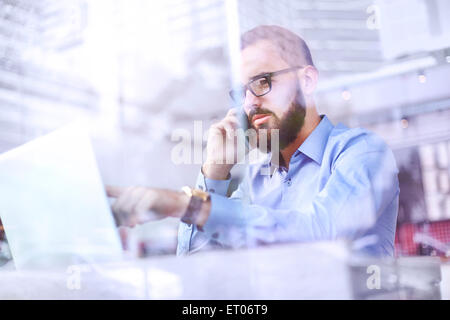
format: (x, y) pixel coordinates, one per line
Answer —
(355, 140)
(346, 145)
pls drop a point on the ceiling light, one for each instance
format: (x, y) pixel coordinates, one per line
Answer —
(421, 76)
(346, 95)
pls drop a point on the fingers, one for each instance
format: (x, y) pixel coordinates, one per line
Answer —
(224, 128)
(232, 115)
(141, 209)
(229, 127)
(124, 208)
(231, 112)
(125, 203)
(224, 137)
(114, 191)
(230, 123)
(119, 208)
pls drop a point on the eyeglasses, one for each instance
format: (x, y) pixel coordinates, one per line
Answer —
(258, 85)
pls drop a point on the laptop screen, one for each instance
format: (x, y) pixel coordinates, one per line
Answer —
(53, 205)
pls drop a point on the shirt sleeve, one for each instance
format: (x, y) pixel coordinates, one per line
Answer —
(355, 198)
(219, 187)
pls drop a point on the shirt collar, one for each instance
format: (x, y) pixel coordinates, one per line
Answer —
(314, 145)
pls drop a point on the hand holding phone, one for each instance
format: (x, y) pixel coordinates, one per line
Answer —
(224, 147)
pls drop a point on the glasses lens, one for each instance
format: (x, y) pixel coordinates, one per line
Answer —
(260, 86)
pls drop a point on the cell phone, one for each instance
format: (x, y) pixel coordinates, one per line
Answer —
(243, 121)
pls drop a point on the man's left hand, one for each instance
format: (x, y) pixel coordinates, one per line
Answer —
(137, 205)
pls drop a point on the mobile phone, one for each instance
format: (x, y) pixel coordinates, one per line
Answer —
(243, 121)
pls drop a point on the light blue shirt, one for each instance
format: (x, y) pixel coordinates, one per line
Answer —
(341, 183)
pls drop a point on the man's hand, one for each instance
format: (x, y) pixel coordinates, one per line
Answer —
(223, 147)
(137, 205)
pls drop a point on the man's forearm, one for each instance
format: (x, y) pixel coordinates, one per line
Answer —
(175, 204)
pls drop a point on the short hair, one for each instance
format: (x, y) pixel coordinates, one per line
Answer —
(291, 47)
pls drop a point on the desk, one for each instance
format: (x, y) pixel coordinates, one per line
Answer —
(296, 271)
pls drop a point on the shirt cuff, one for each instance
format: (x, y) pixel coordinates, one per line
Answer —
(213, 186)
(226, 222)
(186, 231)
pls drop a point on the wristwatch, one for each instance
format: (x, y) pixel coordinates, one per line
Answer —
(197, 199)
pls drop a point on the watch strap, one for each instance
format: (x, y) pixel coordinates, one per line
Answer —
(195, 204)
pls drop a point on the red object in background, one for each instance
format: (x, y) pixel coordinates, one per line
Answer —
(404, 237)
(404, 243)
(2, 231)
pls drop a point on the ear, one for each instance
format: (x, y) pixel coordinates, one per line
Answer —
(308, 77)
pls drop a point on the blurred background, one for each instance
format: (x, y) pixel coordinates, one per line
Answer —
(134, 71)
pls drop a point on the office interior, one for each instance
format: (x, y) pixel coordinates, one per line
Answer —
(134, 71)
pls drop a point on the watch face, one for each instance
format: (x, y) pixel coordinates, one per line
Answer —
(201, 194)
(187, 190)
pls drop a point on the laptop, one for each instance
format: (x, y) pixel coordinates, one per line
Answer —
(53, 205)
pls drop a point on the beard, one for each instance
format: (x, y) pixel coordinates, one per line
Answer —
(289, 125)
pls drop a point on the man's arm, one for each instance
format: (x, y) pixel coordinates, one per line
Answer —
(360, 194)
(360, 189)
(190, 238)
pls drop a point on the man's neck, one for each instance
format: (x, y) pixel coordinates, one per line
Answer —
(312, 119)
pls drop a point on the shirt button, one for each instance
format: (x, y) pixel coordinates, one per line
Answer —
(289, 182)
(189, 226)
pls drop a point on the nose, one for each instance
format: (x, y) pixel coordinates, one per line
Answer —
(251, 101)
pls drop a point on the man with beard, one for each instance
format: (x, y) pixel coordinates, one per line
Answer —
(322, 182)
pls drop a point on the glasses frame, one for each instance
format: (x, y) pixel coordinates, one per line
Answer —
(243, 89)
